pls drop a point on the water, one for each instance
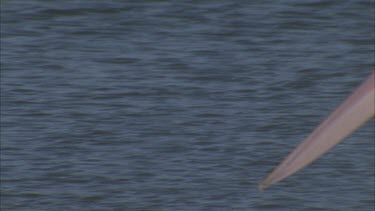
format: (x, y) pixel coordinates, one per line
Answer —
(171, 105)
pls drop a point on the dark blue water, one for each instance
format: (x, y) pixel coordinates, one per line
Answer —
(173, 105)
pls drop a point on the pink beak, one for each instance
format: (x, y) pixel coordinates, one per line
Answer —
(351, 114)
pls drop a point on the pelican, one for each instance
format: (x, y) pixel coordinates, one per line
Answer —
(357, 109)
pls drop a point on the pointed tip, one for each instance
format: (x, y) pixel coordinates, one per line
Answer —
(267, 181)
(263, 185)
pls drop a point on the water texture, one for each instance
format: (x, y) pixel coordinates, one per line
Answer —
(180, 105)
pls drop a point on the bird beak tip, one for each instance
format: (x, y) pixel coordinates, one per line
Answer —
(261, 187)
(264, 184)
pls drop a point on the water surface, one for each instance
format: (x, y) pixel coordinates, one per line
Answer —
(168, 105)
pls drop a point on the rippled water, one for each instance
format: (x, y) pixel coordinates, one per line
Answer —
(172, 105)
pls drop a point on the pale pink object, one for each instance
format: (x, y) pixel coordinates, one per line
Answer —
(358, 108)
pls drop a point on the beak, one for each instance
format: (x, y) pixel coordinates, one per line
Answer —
(351, 114)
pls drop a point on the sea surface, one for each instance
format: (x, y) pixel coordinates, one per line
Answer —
(180, 105)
